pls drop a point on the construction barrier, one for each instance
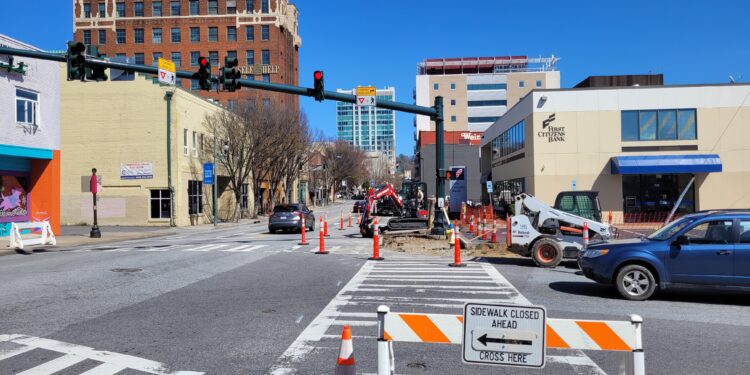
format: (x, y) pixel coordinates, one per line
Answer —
(325, 225)
(303, 241)
(457, 249)
(346, 364)
(350, 220)
(622, 336)
(322, 240)
(375, 241)
(341, 225)
(18, 230)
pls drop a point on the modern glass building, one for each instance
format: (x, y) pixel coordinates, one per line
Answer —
(368, 128)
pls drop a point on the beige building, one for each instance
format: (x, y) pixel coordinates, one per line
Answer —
(639, 147)
(476, 91)
(120, 128)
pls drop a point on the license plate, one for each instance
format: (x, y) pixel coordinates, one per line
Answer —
(282, 217)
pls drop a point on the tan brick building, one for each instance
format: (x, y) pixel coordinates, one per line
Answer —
(262, 34)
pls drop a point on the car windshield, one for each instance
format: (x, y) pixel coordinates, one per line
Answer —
(668, 231)
(285, 208)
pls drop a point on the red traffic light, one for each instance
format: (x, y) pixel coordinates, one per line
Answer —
(203, 62)
(318, 75)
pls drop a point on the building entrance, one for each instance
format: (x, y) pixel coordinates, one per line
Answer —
(650, 198)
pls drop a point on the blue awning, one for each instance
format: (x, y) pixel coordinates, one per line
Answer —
(664, 164)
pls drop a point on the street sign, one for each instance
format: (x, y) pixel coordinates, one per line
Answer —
(504, 335)
(366, 96)
(208, 173)
(489, 186)
(166, 72)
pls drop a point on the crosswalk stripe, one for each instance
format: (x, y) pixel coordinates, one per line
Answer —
(105, 369)
(244, 249)
(5, 354)
(54, 365)
(204, 248)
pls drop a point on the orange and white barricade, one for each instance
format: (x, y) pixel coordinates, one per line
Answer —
(605, 335)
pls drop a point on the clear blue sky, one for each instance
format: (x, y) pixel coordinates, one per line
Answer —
(380, 42)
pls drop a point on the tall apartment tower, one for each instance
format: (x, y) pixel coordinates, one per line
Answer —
(262, 34)
(368, 128)
(478, 90)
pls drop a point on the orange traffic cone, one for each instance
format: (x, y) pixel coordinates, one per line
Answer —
(345, 364)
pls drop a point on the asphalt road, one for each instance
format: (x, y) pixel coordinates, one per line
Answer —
(242, 301)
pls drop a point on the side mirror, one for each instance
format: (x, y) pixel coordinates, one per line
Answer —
(681, 241)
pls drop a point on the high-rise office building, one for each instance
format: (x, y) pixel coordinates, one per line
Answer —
(370, 129)
(262, 34)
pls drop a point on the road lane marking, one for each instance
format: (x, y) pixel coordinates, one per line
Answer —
(53, 366)
(7, 353)
(105, 369)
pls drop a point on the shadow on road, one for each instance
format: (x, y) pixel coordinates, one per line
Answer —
(689, 295)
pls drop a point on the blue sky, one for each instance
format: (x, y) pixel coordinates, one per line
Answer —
(380, 42)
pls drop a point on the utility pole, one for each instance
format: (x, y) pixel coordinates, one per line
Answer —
(168, 98)
(439, 225)
(215, 184)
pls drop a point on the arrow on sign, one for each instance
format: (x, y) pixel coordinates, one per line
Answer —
(484, 340)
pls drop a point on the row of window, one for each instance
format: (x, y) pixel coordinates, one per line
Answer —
(658, 125)
(175, 8)
(486, 103)
(161, 201)
(213, 57)
(510, 141)
(486, 86)
(139, 35)
(482, 119)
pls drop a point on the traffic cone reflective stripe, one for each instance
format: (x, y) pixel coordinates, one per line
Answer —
(345, 364)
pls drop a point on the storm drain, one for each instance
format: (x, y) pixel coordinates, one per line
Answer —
(126, 270)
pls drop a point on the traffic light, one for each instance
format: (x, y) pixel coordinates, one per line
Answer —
(230, 74)
(318, 89)
(204, 73)
(95, 73)
(76, 59)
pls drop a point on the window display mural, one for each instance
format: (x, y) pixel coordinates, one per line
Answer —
(14, 202)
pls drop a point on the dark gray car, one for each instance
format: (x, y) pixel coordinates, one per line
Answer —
(287, 217)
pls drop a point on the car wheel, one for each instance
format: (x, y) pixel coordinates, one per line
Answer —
(635, 282)
(546, 253)
(272, 231)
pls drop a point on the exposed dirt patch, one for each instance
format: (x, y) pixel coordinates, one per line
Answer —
(438, 246)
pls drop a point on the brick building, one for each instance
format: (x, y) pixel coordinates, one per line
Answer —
(262, 34)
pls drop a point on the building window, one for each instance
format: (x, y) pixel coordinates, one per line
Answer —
(184, 141)
(249, 33)
(264, 32)
(161, 204)
(27, 107)
(435, 86)
(487, 103)
(195, 8)
(482, 119)
(213, 34)
(194, 85)
(538, 83)
(156, 36)
(213, 58)
(453, 118)
(195, 34)
(232, 54)
(195, 144)
(266, 78)
(453, 86)
(156, 9)
(195, 197)
(177, 59)
(139, 36)
(264, 6)
(249, 6)
(176, 36)
(486, 86)
(194, 56)
(86, 36)
(120, 9)
(138, 9)
(155, 58)
(521, 84)
(250, 57)
(662, 125)
(174, 7)
(102, 36)
(231, 34)
(504, 190)
(231, 6)
(103, 10)
(510, 141)
(140, 59)
(244, 190)
(87, 10)
(453, 102)
(265, 57)
(213, 7)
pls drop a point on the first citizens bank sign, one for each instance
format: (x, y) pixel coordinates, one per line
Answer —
(551, 133)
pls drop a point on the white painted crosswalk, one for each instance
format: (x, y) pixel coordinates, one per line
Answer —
(104, 362)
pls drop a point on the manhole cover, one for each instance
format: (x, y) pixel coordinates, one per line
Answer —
(419, 365)
(126, 270)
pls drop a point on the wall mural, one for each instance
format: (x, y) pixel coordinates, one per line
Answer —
(14, 202)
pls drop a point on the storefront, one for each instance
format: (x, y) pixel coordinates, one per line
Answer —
(29, 140)
(644, 149)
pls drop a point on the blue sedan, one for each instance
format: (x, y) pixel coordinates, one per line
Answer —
(706, 249)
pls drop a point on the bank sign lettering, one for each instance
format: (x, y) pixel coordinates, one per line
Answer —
(551, 133)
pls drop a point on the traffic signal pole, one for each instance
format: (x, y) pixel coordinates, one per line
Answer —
(435, 112)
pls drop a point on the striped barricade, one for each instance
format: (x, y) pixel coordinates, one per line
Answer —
(17, 230)
(561, 334)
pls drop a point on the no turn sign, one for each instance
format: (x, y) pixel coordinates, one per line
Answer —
(504, 335)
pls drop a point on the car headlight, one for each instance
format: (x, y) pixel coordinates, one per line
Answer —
(595, 253)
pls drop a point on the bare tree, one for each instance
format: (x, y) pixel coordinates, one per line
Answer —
(344, 162)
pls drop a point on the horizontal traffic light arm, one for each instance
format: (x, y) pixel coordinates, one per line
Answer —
(260, 85)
